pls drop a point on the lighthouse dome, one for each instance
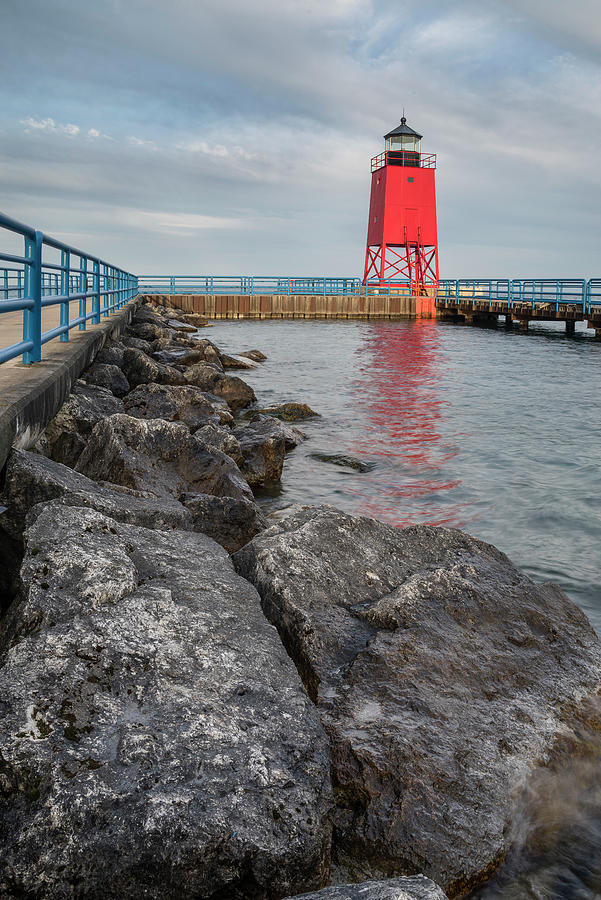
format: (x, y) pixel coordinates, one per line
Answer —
(403, 138)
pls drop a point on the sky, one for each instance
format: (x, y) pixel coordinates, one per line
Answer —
(235, 136)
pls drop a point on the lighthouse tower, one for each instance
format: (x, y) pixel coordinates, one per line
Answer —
(402, 240)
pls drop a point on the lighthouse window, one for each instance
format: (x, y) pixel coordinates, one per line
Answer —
(375, 218)
(411, 180)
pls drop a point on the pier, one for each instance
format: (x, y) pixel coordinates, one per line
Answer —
(522, 300)
(277, 297)
(48, 289)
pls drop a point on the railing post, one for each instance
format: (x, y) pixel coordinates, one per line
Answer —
(105, 294)
(172, 284)
(6, 284)
(96, 297)
(83, 289)
(64, 311)
(32, 318)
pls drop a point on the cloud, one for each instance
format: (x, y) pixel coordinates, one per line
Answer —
(140, 142)
(49, 125)
(575, 26)
(456, 31)
(219, 151)
(174, 223)
(267, 114)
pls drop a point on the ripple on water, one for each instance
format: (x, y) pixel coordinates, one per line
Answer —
(486, 430)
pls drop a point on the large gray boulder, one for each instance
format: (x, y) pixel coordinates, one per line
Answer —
(174, 403)
(237, 362)
(190, 352)
(442, 674)
(232, 389)
(255, 355)
(232, 523)
(32, 479)
(414, 888)
(160, 457)
(221, 408)
(148, 331)
(137, 344)
(289, 412)
(155, 738)
(276, 427)
(263, 445)
(177, 325)
(204, 375)
(180, 356)
(194, 319)
(111, 353)
(107, 376)
(146, 313)
(139, 368)
(222, 438)
(67, 434)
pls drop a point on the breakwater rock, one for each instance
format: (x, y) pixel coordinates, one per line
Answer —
(159, 737)
(414, 888)
(156, 740)
(442, 675)
(159, 457)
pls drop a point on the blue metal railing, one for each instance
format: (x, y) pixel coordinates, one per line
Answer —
(265, 284)
(552, 292)
(32, 282)
(593, 291)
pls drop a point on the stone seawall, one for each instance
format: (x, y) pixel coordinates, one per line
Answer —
(310, 306)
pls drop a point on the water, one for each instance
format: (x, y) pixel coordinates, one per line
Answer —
(488, 430)
(491, 431)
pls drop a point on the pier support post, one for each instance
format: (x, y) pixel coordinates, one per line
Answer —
(524, 324)
(508, 320)
(570, 326)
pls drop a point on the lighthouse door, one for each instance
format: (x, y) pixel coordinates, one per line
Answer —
(411, 221)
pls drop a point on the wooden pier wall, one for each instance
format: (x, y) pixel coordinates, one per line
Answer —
(301, 306)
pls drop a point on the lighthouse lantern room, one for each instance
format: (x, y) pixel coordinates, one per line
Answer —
(402, 242)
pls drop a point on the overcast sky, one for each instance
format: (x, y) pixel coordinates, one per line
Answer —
(234, 136)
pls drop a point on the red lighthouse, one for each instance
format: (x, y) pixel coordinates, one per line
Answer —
(402, 241)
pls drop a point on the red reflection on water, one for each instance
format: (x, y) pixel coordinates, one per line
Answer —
(399, 393)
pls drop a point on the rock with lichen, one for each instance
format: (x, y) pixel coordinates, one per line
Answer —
(155, 738)
(443, 675)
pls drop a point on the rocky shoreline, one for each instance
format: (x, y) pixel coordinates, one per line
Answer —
(201, 701)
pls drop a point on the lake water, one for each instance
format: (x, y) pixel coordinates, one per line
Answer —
(488, 430)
